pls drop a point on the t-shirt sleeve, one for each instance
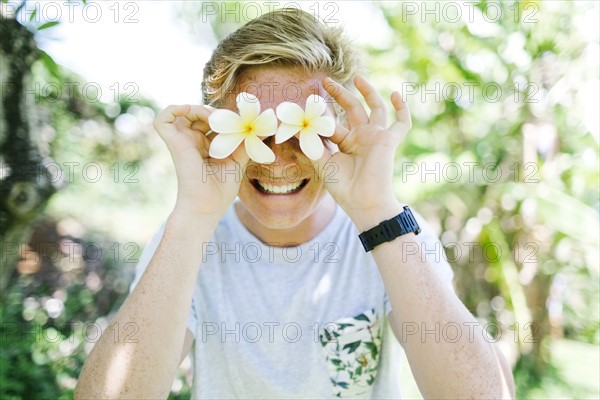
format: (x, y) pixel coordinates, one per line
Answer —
(140, 268)
(387, 306)
(434, 253)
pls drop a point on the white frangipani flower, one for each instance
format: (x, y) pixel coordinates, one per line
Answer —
(309, 122)
(246, 126)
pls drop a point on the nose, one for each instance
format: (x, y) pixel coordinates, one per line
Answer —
(290, 163)
(287, 152)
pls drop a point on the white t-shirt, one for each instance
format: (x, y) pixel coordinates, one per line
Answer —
(304, 322)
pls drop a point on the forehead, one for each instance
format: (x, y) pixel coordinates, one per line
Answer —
(274, 85)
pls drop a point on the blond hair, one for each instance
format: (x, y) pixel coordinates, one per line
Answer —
(282, 38)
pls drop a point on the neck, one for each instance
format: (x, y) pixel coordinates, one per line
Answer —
(304, 231)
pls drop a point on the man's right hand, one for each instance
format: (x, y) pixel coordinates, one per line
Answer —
(206, 186)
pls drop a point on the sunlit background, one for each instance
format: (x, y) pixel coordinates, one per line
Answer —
(502, 161)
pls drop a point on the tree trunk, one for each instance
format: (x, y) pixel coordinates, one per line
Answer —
(539, 332)
(25, 184)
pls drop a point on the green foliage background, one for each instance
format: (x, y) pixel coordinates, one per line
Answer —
(520, 223)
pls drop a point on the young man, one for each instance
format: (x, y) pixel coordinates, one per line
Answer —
(261, 264)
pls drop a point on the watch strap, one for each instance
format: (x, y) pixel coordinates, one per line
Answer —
(390, 229)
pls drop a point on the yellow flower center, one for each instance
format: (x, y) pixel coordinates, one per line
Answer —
(305, 123)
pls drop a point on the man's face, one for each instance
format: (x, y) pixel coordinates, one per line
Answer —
(282, 194)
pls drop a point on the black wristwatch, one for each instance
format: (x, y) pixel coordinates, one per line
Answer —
(390, 229)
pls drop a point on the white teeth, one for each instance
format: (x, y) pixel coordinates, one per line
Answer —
(283, 189)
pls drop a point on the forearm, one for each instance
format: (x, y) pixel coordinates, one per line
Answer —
(459, 363)
(144, 365)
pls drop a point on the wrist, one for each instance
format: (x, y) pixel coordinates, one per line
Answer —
(186, 216)
(365, 219)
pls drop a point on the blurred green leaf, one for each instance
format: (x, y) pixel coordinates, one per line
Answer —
(19, 7)
(566, 214)
(48, 25)
(50, 65)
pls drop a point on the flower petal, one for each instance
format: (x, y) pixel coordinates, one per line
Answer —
(258, 151)
(225, 121)
(286, 131)
(315, 106)
(290, 113)
(265, 124)
(324, 126)
(224, 144)
(248, 105)
(311, 145)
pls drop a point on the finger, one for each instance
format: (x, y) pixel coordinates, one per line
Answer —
(199, 141)
(196, 119)
(203, 143)
(374, 101)
(199, 113)
(201, 126)
(339, 134)
(198, 116)
(355, 111)
(403, 121)
(239, 157)
(163, 123)
(195, 124)
(170, 114)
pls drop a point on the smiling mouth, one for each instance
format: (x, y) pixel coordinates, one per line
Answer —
(268, 188)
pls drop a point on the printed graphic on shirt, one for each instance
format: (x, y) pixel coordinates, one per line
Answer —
(352, 347)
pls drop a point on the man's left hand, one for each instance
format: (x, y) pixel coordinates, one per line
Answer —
(359, 175)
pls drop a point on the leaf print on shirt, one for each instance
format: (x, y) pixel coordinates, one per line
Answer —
(352, 350)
